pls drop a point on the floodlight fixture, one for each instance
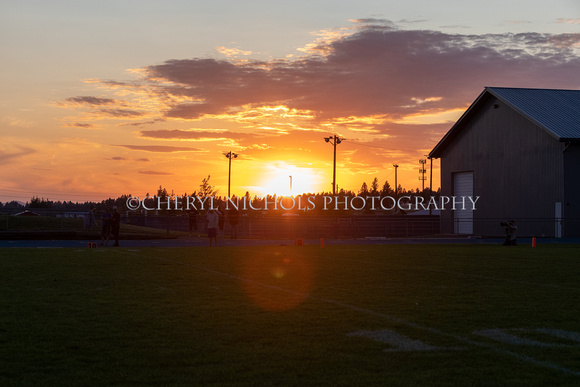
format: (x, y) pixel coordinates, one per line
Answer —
(334, 140)
(230, 155)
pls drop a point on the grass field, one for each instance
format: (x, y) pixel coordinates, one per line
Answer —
(362, 315)
(52, 223)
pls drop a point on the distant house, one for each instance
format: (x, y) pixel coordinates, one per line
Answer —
(71, 214)
(519, 151)
(27, 213)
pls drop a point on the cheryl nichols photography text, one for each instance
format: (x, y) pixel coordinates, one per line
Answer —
(304, 203)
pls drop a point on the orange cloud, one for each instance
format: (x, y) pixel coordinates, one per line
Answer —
(156, 173)
(232, 52)
(568, 21)
(390, 92)
(81, 125)
(91, 101)
(161, 148)
(373, 70)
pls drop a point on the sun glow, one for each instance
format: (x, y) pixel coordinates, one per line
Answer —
(438, 117)
(285, 180)
(277, 281)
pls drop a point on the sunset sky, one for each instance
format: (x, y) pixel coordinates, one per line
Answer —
(100, 99)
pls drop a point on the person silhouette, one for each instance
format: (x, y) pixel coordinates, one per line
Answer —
(116, 225)
(212, 226)
(106, 220)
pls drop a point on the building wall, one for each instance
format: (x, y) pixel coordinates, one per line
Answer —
(571, 205)
(517, 170)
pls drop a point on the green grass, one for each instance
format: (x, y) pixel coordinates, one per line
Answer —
(52, 223)
(288, 315)
(39, 223)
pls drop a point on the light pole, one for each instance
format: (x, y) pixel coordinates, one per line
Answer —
(230, 155)
(430, 181)
(422, 171)
(396, 186)
(431, 176)
(290, 184)
(334, 140)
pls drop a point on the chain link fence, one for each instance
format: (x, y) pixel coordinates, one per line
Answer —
(295, 227)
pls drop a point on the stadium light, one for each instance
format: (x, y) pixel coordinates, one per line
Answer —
(334, 140)
(230, 155)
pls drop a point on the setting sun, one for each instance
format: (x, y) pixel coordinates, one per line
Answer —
(110, 121)
(285, 180)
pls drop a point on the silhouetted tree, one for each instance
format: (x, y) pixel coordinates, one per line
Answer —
(401, 190)
(13, 205)
(387, 190)
(375, 186)
(162, 193)
(206, 189)
(36, 202)
(364, 189)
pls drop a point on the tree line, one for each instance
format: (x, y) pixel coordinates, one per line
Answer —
(206, 189)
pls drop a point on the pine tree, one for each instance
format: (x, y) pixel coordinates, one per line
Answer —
(387, 190)
(206, 189)
(162, 193)
(364, 189)
(375, 186)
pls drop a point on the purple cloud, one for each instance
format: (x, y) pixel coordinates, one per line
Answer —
(161, 148)
(88, 100)
(155, 173)
(121, 113)
(82, 125)
(378, 70)
(22, 151)
(178, 134)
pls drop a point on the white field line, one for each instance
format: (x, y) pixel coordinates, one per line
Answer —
(505, 336)
(385, 316)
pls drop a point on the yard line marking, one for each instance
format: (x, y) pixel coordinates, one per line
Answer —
(451, 335)
(386, 316)
(505, 336)
(572, 336)
(401, 343)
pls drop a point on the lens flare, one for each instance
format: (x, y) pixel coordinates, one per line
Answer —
(279, 281)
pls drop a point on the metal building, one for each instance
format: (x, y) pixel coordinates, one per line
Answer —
(518, 149)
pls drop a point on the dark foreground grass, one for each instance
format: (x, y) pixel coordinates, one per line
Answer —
(286, 315)
(52, 223)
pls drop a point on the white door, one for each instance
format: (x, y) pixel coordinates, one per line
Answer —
(558, 220)
(463, 187)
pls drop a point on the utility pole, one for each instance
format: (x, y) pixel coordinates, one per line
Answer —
(431, 177)
(430, 182)
(230, 155)
(334, 140)
(396, 185)
(422, 172)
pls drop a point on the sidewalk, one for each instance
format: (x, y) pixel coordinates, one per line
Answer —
(198, 242)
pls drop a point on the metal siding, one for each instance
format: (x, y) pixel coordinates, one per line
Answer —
(518, 170)
(571, 203)
(463, 188)
(557, 111)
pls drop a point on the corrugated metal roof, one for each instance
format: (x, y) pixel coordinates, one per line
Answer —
(557, 111)
(554, 110)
